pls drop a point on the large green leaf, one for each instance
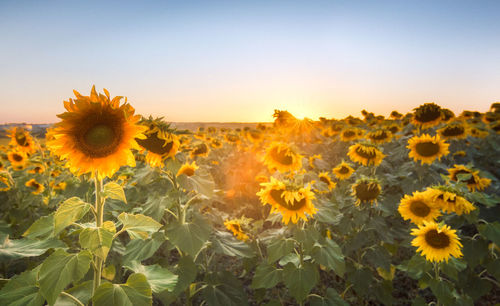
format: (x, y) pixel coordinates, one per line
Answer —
(83, 292)
(22, 290)
(19, 248)
(279, 248)
(59, 270)
(135, 292)
(138, 226)
(226, 243)
(300, 280)
(329, 255)
(70, 211)
(42, 227)
(443, 291)
(140, 250)
(98, 239)
(224, 289)
(189, 237)
(158, 278)
(332, 298)
(491, 231)
(266, 276)
(114, 191)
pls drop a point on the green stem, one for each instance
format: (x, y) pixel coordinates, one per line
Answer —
(77, 301)
(99, 208)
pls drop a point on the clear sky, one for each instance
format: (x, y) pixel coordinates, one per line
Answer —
(240, 60)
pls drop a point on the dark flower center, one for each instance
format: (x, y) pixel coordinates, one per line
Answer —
(349, 134)
(343, 170)
(200, 149)
(453, 131)
(428, 114)
(293, 205)
(17, 157)
(281, 156)
(379, 136)
(419, 208)
(325, 180)
(21, 140)
(155, 145)
(365, 154)
(427, 149)
(437, 240)
(367, 191)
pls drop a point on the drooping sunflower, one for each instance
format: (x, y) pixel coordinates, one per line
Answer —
(18, 159)
(426, 148)
(427, 115)
(450, 200)
(436, 243)
(380, 136)
(187, 169)
(160, 144)
(282, 157)
(366, 190)
(350, 134)
(21, 140)
(455, 130)
(343, 171)
(447, 114)
(325, 178)
(474, 182)
(200, 150)
(292, 202)
(235, 227)
(395, 115)
(418, 208)
(96, 134)
(365, 154)
(35, 186)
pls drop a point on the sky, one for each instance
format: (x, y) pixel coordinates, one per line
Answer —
(237, 61)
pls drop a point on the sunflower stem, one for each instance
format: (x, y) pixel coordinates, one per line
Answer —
(99, 208)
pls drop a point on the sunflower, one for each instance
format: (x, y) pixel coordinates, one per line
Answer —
(495, 126)
(255, 136)
(38, 188)
(365, 154)
(396, 115)
(478, 132)
(325, 178)
(426, 148)
(427, 115)
(6, 181)
(160, 145)
(38, 169)
(366, 190)
(96, 134)
(282, 157)
(216, 143)
(474, 182)
(343, 171)
(235, 227)
(394, 128)
(418, 208)
(450, 200)
(456, 130)
(380, 136)
(18, 159)
(436, 243)
(313, 158)
(58, 186)
(291, 201)
(200, 150)
(350, 134)
(187, 169)
(447, 114)
(21, 140)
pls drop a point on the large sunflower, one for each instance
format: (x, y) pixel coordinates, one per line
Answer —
(450, 200)
(343, 171)
(96, 134)
(235, 227)
(474, 182)
(365, 154)
(418, 208)
(21, 140)
(436, 243)
(282, 157)
(426, 148)
(160, 145)
(291, 201)
(366, 190)
(427, 115)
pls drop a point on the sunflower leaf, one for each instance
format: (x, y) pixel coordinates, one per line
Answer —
(114, 191)
(135, 292)
(98, 239)
(22, 289)
(70, 211)
(266, 276)
(300, 280)
(19, 248)
(159, 278)
(138, 226)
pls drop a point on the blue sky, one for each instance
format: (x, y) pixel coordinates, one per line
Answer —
(240, 60)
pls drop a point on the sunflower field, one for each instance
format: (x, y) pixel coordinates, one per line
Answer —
(115, 208)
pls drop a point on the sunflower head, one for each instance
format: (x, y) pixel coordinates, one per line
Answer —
(426, 148)
(343, 171)
(37, 169)
(200, 150)
(96, 134)
(35, 186)
(17, 158)
(159, 141)
(427, 115)
(350, 134)
(325, 178)
(418, 208)
(472, 178)
(365, 154)
(366, 190)
(436, 243)
(187, 169)
(293, 202)
(6, 181)
(21, 140)
(235, 227)
(282, 157)
(396, 115)
(447, 114)
(313, 158)
(455, 130)
(380, 136)
(450, 200)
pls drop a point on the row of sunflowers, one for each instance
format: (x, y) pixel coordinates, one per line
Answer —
(113, 208)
